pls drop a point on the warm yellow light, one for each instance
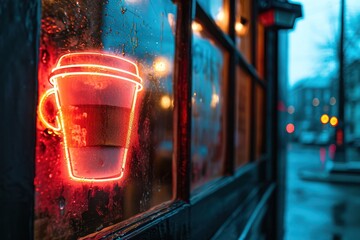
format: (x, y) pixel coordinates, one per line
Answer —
(196, 27)
(165, 102)
(324, 119)
(239, 26)
(240, 29)
(160, 66)
(221, 15)
(214, 100)
(334, 121)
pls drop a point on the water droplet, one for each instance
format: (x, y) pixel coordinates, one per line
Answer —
(45, 56)
(61, 203)
(50, 175)
(101, 162)
(123, 49)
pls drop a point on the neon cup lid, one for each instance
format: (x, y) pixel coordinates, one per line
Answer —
(102, 64)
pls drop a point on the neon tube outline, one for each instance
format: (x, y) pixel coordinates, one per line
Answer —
(57, 130)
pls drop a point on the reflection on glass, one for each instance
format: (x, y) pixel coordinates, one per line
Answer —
(218, 10)
(243, 117)
(260, 122)
(141, 32)
(242, 27)
(209, 64)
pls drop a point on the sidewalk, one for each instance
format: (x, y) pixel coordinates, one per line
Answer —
(318, 209)
(336, 172)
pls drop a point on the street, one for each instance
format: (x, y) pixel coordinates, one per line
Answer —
(318, 210)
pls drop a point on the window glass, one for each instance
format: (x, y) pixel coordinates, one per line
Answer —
(260, 122)
(105, 115)
(218, 10)
(243, 117)
(242, 28)
(207, 130)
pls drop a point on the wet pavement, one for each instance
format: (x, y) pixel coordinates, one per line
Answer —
(318, 210)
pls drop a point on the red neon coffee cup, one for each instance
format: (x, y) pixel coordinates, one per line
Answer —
(95, 94)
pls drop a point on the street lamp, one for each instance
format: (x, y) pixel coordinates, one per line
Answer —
(279, 14)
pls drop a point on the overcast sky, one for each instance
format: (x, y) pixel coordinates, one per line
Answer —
(319, 22)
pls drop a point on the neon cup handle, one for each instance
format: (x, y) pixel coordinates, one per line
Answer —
(41, 115)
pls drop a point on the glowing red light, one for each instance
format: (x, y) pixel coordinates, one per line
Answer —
(95, 95)
(332, 150)
(339, 137)
(290, 128)
(268, 18)
(322, 155)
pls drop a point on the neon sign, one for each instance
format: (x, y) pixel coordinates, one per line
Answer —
(95, 95)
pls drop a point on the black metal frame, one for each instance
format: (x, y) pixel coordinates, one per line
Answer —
(241, 203)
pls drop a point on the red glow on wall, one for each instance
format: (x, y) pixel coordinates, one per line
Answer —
(95, 96)
(339, 137)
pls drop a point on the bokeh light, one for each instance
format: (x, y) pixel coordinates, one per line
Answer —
(291, 109)
(315, 102)
(290, 128)
(334, 121)
(324, 119)
(165, 102)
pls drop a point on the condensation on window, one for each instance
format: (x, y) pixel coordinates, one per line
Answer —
(207, 125)
(110, 95)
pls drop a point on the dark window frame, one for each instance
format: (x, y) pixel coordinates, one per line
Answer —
(242, 190)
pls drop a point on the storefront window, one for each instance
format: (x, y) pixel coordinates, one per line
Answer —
(243, 24)
(207, 132)
(243, 117)
(260, 122)
(105, 115)
(218, 10)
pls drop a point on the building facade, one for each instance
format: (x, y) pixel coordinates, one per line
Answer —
(143, 119)
(310, 99)
(352, 102)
